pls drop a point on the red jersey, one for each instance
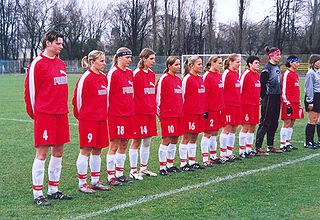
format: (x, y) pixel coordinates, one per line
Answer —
(290, 87)
(120, 92)
(214, 91)
(144, 91)
(90, 97)
(250, 88)
(46, 86)
(169, 96)
(193, 94)
(231, 86)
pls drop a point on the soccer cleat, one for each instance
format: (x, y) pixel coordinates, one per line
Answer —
(231, 158)
(147, 173)
(197, 166)
(59, 195)
(291, 147)
(124, 179)
(100, 186)
(245, 155)
(164, 172)
(86, 189)
(186, 168)
(260, 152)
(207, 164)
(173, 169)
(252, 153)
(114, 182)
(223, 160)
(41, 201)
(310, 145)
(285, 149)
(136, 175)
(272, 149)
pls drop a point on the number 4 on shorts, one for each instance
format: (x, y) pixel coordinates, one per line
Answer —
(45, 135)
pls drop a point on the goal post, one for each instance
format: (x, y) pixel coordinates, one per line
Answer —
(205, 58)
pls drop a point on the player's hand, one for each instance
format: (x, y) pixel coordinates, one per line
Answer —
(289, 110)
(310, 106)
(206, 115)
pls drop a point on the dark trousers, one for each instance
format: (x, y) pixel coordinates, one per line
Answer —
(270, 111)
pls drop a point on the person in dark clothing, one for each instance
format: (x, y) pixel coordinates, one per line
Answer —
(270, 102)
(312, 99)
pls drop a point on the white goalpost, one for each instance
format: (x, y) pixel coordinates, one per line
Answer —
(205, 58)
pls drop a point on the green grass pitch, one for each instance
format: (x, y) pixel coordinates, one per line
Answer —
(287, 192)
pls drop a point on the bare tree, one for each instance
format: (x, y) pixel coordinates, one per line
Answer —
(210, 26)
(242, 7)
(154, 23)
(132, 20)
(34, 15)
(9, 29)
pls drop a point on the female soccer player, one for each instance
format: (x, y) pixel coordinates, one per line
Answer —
(90, 108)
(120, 114)
(231, 84)
(193, 93)
(145, 114)
(250, 101)
(46, 98)
(312, 99)
(169, 110)
(290, 102)
(214, 116)
(270, 102)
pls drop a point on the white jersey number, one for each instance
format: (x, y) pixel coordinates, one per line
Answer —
(228, 118)
(143, 129)
(170, 129)
(89, 138)
(192, 126)
(45, 135)
(120, 130)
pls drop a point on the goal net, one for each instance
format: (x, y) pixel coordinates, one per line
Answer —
(205, 58)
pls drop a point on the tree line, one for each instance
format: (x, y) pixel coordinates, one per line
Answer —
(168, 26)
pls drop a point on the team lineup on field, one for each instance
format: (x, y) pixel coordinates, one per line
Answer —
(123, 104)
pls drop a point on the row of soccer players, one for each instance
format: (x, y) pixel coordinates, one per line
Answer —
(123, 105)
(185, 108)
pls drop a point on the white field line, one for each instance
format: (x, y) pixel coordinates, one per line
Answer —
(190, 187)
(29, 121)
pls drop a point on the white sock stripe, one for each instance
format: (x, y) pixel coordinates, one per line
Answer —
(195, 186)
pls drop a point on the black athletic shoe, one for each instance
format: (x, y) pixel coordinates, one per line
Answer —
(215, 161)
(164, 172)
(186, 168)
(197, 166)
(41, 201)
(59, 195)
(285, 149)
(173, 169)
(124, 179)
(291, 147)
(231, 158)
(310, 145)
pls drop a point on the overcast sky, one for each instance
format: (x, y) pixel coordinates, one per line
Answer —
(227, 10)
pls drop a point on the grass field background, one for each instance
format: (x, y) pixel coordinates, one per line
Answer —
(289, 192)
